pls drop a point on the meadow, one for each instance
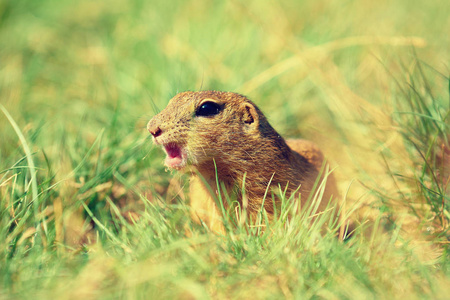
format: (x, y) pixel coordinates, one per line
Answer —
(88, 209)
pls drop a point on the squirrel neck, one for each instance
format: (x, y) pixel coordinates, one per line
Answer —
(252, 165)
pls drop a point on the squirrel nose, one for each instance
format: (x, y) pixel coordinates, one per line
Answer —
(154, 129)
(156, 132)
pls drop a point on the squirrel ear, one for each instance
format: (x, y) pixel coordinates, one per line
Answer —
(250, 115)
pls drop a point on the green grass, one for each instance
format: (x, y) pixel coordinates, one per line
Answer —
(367, 81)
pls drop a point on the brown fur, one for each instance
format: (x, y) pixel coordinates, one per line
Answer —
(240, 141)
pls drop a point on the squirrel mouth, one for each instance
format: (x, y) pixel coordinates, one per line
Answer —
(176, 156)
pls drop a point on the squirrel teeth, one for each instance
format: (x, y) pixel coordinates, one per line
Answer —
(175, 156)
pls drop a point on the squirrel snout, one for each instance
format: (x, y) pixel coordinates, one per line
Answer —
(156, 132)
(154, 129)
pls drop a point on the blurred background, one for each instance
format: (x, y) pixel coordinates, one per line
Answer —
(71, 64)
(330, 71)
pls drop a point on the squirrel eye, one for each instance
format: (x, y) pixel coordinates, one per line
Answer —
(208, 109)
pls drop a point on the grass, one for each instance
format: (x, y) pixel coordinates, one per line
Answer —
(88, 209)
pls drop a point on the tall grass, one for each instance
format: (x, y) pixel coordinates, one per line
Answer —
(88, 209)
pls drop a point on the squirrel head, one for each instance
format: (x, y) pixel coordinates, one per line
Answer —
(198, 127)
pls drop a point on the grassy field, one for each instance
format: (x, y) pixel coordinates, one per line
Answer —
(89, 211)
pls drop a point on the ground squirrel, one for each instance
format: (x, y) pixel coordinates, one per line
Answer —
(209, 131)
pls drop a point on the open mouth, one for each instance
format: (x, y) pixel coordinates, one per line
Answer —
(176, 157)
